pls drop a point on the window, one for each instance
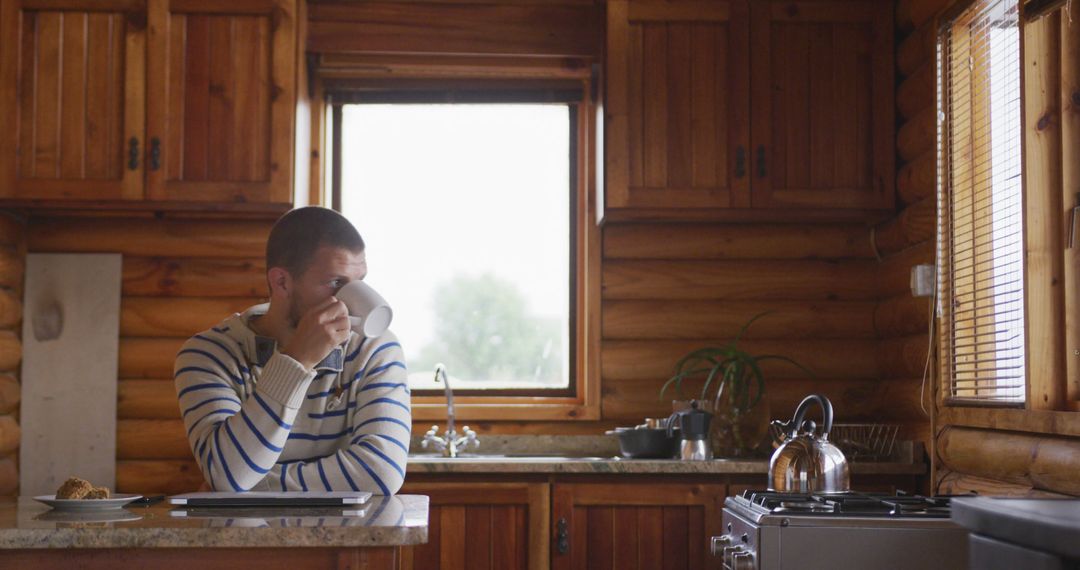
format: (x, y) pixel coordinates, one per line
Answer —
(469, 213)
(981, 232)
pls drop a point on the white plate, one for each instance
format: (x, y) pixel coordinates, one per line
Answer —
(114, 502)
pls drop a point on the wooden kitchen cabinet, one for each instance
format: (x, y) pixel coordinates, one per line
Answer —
(736, 104)
(678, 105)
(631, 526)
(156, 100)
(822, 112)
(72, 92)
(483, 525)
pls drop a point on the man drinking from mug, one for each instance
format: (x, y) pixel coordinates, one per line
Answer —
(285, 396)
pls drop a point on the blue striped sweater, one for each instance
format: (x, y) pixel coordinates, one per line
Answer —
(257, 420)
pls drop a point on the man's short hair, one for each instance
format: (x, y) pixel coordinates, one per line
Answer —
(297, 234)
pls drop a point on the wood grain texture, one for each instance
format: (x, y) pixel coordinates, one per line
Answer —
(867, 399)
(918, 135)
(11, 351)
(917, 178)
(507, 29)
(661, 514)
(915, 49)
(840, 358)
(148, 357)
(10, 309)
(176, 317)
(726, 241)
(169, 477)
(894, 273)
(902, 315)
(1046, 463)
(153, 399)
(150, 238)
(1043, 213)
(10, 391)
(903, 357)
(1070, 147)
(917, 93)
(915, 224)
(686, 319)
(738, 280)
(955, 483)
(197, 277)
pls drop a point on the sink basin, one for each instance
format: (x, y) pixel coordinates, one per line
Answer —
(503, 458)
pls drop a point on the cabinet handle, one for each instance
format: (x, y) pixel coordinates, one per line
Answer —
(761, 161)
(133, 154)
(155, 153)
(562, 536)
(740, 162)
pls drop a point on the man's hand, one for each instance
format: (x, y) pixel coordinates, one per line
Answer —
(321, 329)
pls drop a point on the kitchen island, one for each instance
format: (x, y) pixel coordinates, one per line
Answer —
(376, 535)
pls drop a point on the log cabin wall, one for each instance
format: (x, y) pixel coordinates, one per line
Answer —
(180, 277)
(967, 457)
(907, 239)
(12, 264)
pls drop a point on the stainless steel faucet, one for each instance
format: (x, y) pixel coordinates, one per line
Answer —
(450, 444)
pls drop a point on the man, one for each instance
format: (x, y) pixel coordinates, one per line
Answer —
(285, 396)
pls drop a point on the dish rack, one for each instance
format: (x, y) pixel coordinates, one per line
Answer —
(857, 441)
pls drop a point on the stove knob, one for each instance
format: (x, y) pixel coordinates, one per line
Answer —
(729, 554)
(742, 561)
(718, 544)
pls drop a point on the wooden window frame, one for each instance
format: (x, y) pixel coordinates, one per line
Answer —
(582, 401)
(1051, 398)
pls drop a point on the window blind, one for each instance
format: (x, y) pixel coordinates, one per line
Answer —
(980, 222)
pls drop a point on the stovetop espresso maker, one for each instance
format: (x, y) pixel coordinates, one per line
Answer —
(693, 423)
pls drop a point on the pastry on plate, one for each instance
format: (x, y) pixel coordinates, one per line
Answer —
(74, 488)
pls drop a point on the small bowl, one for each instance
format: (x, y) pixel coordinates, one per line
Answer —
(646, 443)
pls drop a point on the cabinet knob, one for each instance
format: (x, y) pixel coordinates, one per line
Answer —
(740, 162)
(133, 153)
(562, 536)
(761, 161)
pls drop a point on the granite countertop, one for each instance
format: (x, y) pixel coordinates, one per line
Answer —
(613, 465)
(383, 521)
(600, 455)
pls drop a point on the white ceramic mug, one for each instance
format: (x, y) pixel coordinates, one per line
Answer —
(369, 313)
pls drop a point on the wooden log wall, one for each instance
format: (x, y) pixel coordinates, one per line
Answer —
(179, 277)
(987, 461)
(12, 264)
(669, 288)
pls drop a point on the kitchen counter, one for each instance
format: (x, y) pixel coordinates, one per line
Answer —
(384, 521)
(614, 465)
(166, 537)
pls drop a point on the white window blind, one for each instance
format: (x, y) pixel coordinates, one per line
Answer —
(980, 239)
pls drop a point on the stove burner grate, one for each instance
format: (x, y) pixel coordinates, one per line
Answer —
(852, 504)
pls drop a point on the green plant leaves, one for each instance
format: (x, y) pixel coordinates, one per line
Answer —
(738, 371)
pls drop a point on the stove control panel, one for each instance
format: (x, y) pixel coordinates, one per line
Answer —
(737, 547)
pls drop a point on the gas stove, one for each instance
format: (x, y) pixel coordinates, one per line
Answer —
(769, 530)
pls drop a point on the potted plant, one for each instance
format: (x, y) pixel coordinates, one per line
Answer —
(735, 385)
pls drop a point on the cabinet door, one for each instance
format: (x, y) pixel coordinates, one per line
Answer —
(635, 526)
(677, 104)
(822, 104)
(72, 95)
(482, 526)
(220, 104)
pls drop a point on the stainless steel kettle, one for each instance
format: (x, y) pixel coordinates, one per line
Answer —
(805, 463)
